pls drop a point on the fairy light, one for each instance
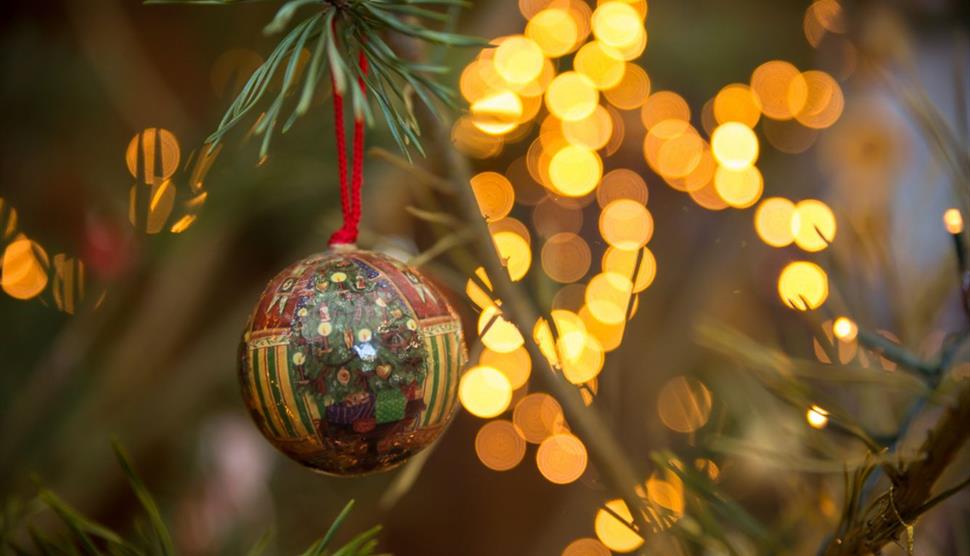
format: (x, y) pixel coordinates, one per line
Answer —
(953, 221)
(845, 329)
(817, 417)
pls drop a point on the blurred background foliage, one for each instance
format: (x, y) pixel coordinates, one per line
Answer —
(149, 352)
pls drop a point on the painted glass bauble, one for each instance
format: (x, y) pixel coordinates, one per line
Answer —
(350, 362)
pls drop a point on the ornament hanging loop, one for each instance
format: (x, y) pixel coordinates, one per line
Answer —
(349, 191)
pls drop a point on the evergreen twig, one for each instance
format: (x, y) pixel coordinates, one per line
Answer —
(334, 36)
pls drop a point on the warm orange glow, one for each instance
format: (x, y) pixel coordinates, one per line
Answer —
(623, 262)
(737, 103)
(615, 534)
(514, 251)
(772, 221)
(538, 416)
(735, 146)
(501, 336)
(817, 417)
(473, 142)
(562, 458)
(518, 60)
(498, 113)
(581, 356)
(827, 345)
(565, 257)
(664, 105)
(845, 329)
(680, 155)
(152, 213)
(571, 96)
(684, 404)
(632, 90)
(803, 285)
(499, 446)
(24, 270)
(553, 216)
(603, 65)
(153, 155)
(515, 365)
(823, 103)
(739, 188)
(953, 221)
(494, 194)
(575, 170)
(621, 184)
(608, 297)
(484, 392)
(626, 224)
(554, 30)
(586, 547)
(813, 225)
(617, 24)
(592, 132)
(781, 88)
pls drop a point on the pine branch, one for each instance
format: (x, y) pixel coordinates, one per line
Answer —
(909, 496)
(90, 537)
(335, 35)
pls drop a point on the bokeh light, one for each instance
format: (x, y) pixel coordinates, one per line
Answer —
(516, 365)
(664, 105)
(603, 65)
(803, 285)
(608, 297)
(494, 194)
(781, 88)
(626, 224)
(571, 96)
(684, 404)
(817, 417)
(24, 270)
(739, 188)
(953, 221)
(575, 170)
(621, 183)
(845, 329)
(623, 263)
(615, 534)
(813, 225)
(538, 416)
(499, 445)
(737, 103)
(554, 30)
(592, 132)
(501, 335)
(735, 145)
(562, 458)
(484, 392)
(773, 221)
(586, 547)
(518, 60)
(565, 257)
(823, 103)
(632, 90)
(515, 252)
(153, 155)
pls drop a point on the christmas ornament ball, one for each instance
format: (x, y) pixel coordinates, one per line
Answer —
(350, 362)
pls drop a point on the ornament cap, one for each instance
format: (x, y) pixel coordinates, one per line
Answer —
(343, 247)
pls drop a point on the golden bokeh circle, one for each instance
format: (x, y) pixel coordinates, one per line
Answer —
(684, 404)
(562, 458)
(499, 445)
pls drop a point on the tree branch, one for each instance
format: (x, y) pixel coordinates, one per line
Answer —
(890, 513)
